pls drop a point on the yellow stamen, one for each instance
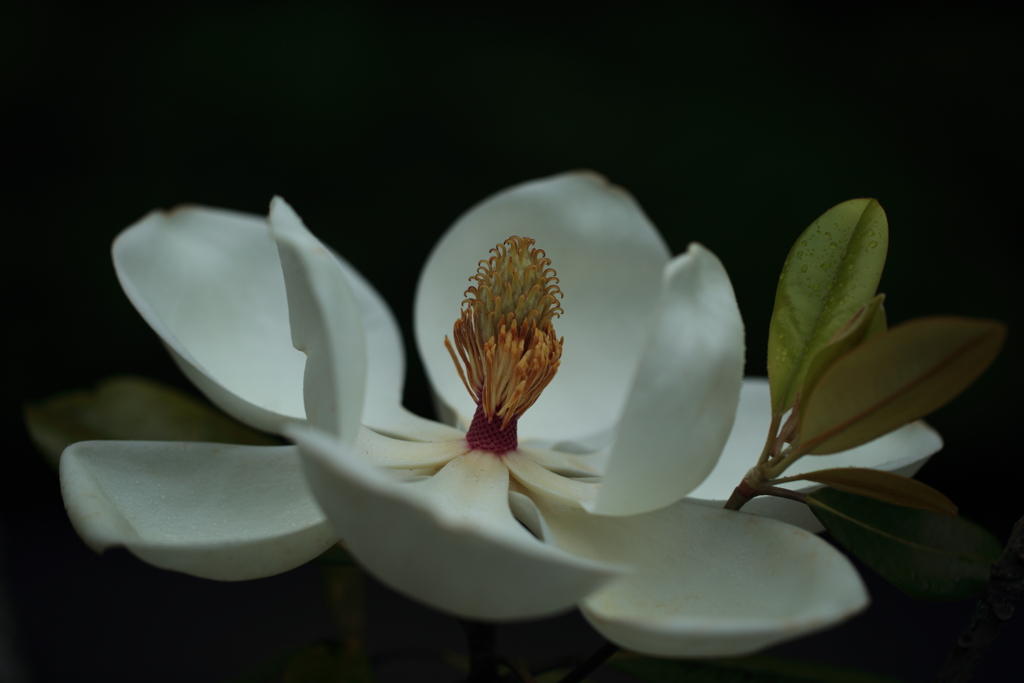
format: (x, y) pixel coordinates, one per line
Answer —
(505, 337)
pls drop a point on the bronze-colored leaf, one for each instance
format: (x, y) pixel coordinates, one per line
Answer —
(127, 407)
(884, 486)
(895, 378)
(864, 325)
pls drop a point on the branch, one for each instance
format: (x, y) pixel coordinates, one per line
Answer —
(1005, 586)
(744, 493)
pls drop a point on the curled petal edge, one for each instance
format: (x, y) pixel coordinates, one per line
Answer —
(227, 262)
(325, 324)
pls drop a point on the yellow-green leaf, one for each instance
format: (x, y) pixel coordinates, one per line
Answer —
(127, 407)
(894, 378)
(864, 325)
(832, 270)
(884, 486)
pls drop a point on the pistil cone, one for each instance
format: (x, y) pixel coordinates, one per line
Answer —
(507, 348)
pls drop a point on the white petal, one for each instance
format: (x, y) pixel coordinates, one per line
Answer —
(385, 361)
(404, 424)
(449, 540)
(609, 258)
(548, 484)
(325, 324)
(208, 281)
(411, 455)
(903, 451)
(684, 397)
(707, 582)
(566, 464)
(215, 511)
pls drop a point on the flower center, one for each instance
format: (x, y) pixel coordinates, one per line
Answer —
(506, 341)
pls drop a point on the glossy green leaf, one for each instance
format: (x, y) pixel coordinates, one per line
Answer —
(323, 662)
(759, 669)
(887, 487)
(329, 663)
(924, 554)
(895, 378)
(132, 408)
(860, 328)
(831, 272)
(553, 676)
(271, 670)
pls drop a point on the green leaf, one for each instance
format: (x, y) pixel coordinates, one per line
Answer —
(895, 378)
(832, 270)
(269, 671)
(757, 669)
(887, 487)
(924, 554)
(131, 408)
(556, 676)
(329, 663)
(861, 327)
(324, 662)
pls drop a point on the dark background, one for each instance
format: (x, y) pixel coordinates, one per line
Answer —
(733, 124)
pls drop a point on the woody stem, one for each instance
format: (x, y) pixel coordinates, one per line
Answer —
(480, 639)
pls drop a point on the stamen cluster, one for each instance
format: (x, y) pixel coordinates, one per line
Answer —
(505, 337)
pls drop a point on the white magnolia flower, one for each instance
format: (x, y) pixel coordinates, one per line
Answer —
(586, 511)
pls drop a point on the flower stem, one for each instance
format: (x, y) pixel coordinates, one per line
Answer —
(345, 596)
(1005, 587)
(591, 663)
(480, 639)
